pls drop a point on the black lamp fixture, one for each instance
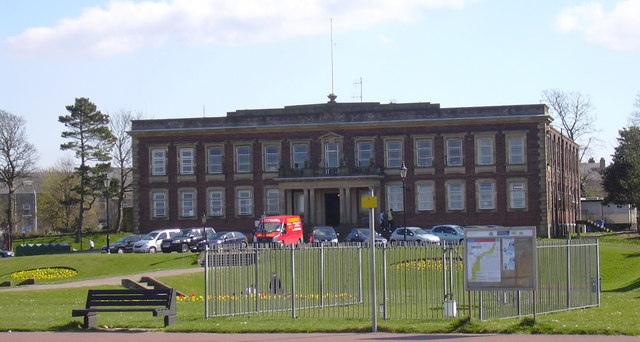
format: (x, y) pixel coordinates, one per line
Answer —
(107, 183)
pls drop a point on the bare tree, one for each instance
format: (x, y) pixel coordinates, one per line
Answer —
(634, 119)
(121, 156)
(18, 158)
(576, 117)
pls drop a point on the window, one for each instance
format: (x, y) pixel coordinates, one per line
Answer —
(455, 196)
(158, 162)
(424, 153)
(364, 153)
(26, 209)
(484, 151)
(272, 201)
(243, 159)
(214, 159)
(271, 158)
(331, 155)
(159, 203)
(216, 203)
(187, 204)
(515, 146)
(517, 195)
(186, 161)
(244, 202)
(425, 197)
(394, 197)
(394, 153)
(454, 152)
(486, 195)
(300, 155)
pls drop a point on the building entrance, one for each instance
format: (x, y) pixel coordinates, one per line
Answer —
(332, 209)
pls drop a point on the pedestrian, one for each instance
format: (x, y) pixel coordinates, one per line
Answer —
(390, 219)
(91, 244)
(383, 217)
(275, 284)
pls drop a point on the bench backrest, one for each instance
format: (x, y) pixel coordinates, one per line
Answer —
(127, 297)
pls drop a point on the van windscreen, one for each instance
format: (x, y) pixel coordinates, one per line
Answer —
(270, 227)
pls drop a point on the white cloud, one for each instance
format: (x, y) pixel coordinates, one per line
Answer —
(123, 26)
(618, 28)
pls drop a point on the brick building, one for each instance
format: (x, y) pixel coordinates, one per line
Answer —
(502, 165)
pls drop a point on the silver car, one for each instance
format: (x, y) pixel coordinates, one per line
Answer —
(448, 233)
(413, 234)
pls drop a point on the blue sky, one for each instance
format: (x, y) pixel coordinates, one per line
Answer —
(188, 58)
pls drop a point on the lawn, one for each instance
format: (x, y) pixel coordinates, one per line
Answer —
(619, 312)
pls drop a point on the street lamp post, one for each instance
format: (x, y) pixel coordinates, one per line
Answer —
(403, 175)
(203, 219)
(107, 183)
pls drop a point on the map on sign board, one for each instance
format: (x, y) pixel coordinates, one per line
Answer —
(500, 258)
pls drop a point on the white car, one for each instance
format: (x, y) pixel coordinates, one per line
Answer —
(413, 234)
(151, 242)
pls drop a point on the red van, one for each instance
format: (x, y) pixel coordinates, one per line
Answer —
(284, 230)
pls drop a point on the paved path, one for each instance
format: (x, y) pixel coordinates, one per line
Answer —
(105, 281)
(315, 337)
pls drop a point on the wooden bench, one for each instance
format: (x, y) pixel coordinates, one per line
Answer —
(161, 302)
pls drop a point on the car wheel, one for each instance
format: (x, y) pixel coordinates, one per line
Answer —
(121, 250)
(461, 241)
(152, 249)
(184, 248)
(243, 244)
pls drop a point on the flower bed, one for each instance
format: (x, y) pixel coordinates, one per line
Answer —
(45, 273)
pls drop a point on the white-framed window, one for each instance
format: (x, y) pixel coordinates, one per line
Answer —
(300, 155)
(484, 151)
(486, 195)
(271, 158)
(159, 204)
(517, 195)
(186, 160)
(425, 197)
(26, 209)
(393, 150)
(214, 159)
(216, 202)
(424, 153)
(243, 159)
(516, 150)
(331, 154)
(455, 196)
(454, 152)
(395, 197)
(272, 201)
(158, 162)
(187, 203)
(244, 202)
(364, 153)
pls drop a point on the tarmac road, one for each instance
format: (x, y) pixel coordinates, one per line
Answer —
(315, 337)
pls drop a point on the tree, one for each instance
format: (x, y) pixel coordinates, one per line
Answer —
(18, 158)
(574, 112)
(58, 203)
(91, 140)
(621, 179)
(121, 155)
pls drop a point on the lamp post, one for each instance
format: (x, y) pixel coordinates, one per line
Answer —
(107, 183)
(403, 175)
(203, 219)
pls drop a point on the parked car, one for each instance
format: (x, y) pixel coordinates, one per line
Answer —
(323, 234)
(6, 254)
(186, 240)
(413, 234)
(123, 245)
(448, 233)
(151, 242)
(362, 235)
(220, 239)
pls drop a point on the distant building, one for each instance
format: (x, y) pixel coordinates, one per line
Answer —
(613, 216)
(591, 178)
(500, 165)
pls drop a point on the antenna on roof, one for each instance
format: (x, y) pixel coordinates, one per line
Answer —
(358, 83)
(203, 112)
(332, 96)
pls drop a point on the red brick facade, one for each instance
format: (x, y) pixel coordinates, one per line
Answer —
(515, 169)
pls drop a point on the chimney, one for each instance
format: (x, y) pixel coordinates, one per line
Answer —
(602, 164)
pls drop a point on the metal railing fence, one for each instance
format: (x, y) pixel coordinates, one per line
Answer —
(412, 282)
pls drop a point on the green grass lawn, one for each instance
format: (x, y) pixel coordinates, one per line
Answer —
(619, 312)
